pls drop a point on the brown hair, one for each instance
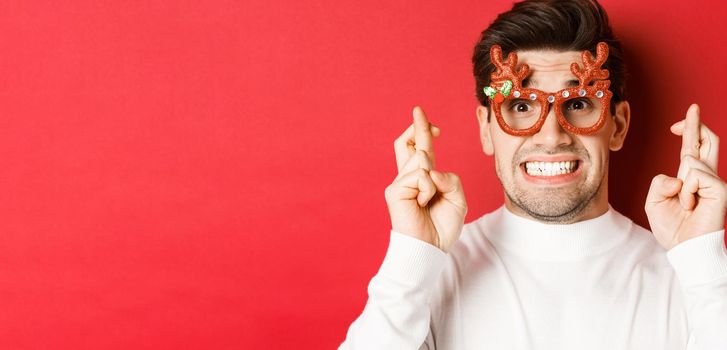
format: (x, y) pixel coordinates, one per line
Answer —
(563, 25)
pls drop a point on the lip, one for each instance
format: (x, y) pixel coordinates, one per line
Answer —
(551, 180)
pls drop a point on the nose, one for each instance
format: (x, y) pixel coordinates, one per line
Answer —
(551, 134)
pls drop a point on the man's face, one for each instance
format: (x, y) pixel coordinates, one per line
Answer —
(554, 175)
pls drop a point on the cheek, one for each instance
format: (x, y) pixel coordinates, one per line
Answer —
(505, 148)
(598, 152)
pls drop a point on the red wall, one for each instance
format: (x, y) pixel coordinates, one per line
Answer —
(210, 174)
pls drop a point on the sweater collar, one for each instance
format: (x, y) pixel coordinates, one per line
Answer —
(556, 242)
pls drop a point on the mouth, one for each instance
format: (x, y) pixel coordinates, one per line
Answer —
(548, 169)
(551, 171)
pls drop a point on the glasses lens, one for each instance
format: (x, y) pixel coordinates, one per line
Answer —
(581, 112)
(520, 113)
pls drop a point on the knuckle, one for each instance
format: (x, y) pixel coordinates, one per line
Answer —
(421, 172)
(689, 160)
(387, 197)
(689, 174)
(388, 191)
(393, 191)
(658, 179)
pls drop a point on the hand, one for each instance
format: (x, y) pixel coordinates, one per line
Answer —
(424, 203)
(695, 202)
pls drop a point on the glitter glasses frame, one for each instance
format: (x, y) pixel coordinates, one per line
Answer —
(599, 93)
(507, 80)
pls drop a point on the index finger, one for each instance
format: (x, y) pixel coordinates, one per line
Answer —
(690, 136)
(422, 134)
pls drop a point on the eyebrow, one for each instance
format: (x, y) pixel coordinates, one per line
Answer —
(529, 83)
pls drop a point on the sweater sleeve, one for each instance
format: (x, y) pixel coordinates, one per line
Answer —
(700, 264)
(397, 314)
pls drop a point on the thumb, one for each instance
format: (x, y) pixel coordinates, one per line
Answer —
(663, 187)
(449, 185)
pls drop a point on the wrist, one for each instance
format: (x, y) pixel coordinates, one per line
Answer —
(700, 260)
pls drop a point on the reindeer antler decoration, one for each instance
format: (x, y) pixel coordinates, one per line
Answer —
(506, 70)
(507, 75)
(592, 68)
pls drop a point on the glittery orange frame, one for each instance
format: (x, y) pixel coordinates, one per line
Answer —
(591, 71)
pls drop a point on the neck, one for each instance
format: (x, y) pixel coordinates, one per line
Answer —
(556, 242)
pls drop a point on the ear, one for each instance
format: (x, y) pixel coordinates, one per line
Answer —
(621, 120)
(485, 135)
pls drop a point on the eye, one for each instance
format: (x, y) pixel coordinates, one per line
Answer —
(520, 106)
(578, 104)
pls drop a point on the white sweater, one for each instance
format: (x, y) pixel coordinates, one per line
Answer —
(515, 283)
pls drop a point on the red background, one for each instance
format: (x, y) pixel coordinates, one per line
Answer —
(210, 174)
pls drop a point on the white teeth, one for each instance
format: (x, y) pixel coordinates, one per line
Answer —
(550, 168)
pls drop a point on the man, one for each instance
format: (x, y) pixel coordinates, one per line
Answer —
(556, 267)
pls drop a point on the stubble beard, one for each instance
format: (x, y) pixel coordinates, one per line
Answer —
(562, 205)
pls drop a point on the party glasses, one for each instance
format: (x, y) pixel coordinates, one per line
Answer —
(522, 111)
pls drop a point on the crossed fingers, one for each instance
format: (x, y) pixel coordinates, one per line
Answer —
(699, 156)
(414, 148)
(698, 141)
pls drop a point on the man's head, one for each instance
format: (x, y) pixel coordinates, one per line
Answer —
(552, 175)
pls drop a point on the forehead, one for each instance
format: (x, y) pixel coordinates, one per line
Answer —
(548, 67)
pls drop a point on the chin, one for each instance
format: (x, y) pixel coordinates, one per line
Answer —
(553, 201)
